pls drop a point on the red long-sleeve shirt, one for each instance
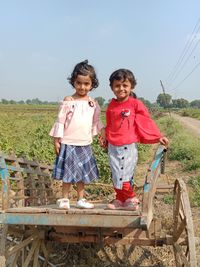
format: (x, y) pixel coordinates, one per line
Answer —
(129, 122)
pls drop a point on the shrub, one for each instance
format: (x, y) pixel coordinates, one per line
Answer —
(194, 183)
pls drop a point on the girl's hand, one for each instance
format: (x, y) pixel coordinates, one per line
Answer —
(102, 139)
(57, 145)
(164, 141)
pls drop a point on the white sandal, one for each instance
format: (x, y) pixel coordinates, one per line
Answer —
(83, 204)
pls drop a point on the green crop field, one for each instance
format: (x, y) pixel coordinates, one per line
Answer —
(25, 130)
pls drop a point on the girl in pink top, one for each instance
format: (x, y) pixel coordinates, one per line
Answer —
(127, 123)
(78, 121)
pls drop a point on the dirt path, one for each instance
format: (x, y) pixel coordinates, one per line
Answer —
(193, 125)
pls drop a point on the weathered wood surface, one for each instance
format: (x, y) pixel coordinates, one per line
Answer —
(26, 183)
(150, 187)
(29, 197)
(29, 191)
(183, 232)
(99, 209)
(52, 215)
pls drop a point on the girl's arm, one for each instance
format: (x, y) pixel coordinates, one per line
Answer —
(58, 128)
(97, 124)
(57, 145)
(57, 131)
(102, 139)
(147, 129)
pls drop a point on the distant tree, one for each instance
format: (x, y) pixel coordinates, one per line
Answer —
(106, 103)
(28, 101)
(36, 101)
(100, 100)
(195, 104)
(147, 103)
(4, 101)
(21, 102)
(180, 103)
(155, 105)
(164, 100)
(12, 102)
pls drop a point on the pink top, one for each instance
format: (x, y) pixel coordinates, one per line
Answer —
(78, 121)
(129, 122)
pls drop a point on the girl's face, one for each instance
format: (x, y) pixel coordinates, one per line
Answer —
(121, 89)
(82, 85)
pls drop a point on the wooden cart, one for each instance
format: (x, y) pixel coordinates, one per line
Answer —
(29, 217)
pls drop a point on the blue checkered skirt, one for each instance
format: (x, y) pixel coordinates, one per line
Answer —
(75, 164)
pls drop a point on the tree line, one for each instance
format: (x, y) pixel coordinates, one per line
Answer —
(34, 101)
(163, 101)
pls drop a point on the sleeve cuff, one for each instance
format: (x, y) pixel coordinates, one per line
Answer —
(57, 130)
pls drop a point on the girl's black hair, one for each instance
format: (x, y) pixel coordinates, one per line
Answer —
(83, 68)
(133, 94)
(123, 74)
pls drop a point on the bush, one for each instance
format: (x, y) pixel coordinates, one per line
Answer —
(194, 182)
(182, 147)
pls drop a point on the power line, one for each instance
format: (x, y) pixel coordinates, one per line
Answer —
(196, 66)
(184, 63)
(184, 52)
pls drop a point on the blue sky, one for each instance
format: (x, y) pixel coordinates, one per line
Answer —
(41, 41)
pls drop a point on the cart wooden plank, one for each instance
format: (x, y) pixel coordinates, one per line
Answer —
(82, 220)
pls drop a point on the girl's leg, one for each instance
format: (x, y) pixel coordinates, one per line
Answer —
(119, 194)
(66, 189)
(82, 203)
(124, 198)
(80, 190)
(128, 191)
(131, 201)
(125, 193)
(64, 202)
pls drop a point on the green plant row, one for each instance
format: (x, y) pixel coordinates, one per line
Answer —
(25, 132)
(190, 112)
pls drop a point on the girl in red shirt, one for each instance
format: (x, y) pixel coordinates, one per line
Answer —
(127, 123)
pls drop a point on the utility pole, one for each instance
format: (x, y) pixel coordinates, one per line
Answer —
(163, 89)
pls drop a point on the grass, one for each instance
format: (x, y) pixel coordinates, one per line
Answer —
(168, 199)
(194, 183)
(190, 112)
(183, 147)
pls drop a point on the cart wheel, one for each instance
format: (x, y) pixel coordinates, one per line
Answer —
(27, 250)
(183, 232)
